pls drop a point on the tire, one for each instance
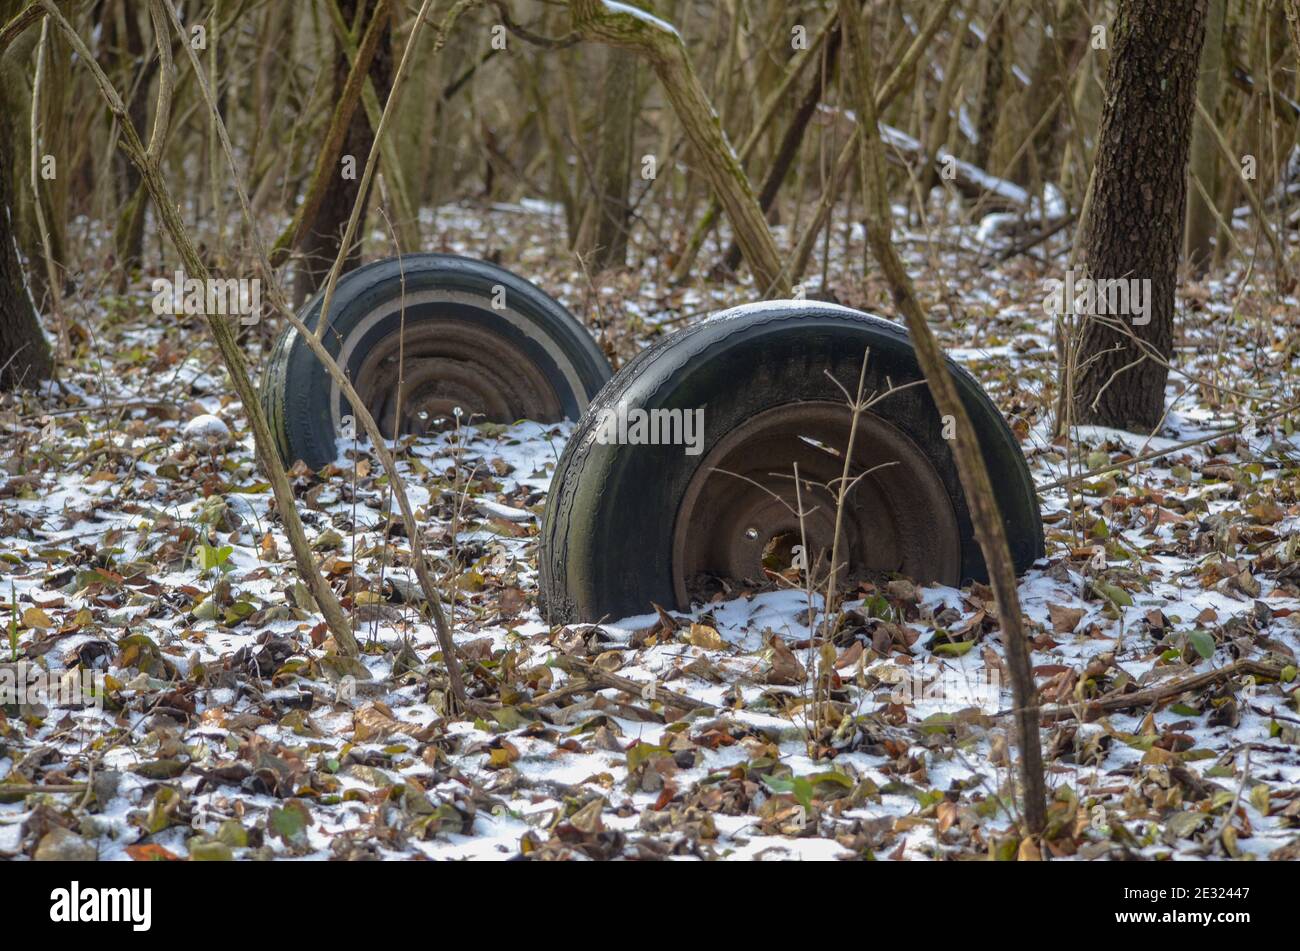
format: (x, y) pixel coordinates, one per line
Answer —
(615, 517)
(527, 358)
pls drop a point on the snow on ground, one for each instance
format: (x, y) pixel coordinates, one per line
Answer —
(231, 726)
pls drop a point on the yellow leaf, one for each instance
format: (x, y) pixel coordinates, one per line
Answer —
(1159, 757)
(1028, 851)
(503, 756)
(707, 637)
(1259, 798)
(35, 617)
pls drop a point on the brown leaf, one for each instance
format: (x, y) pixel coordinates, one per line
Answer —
(1064, 620)
(512, 601)
(972, 623)
(786, 668)
(850, 656)
(373, 722)
(1266, 513)
(670, 623)
(947, 815)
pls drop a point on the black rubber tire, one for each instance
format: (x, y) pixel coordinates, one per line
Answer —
(296, 391)
(606, 543)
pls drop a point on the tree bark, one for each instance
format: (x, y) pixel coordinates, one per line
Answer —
(1049, 88)
(793, 138)
(1293, 24)
(124, 53)
(995, 71)
(603, 234)
(662, 46)
(1134, 227)
(319, 234)
(48, 200)
(24, 352)
(1202, 220)
(342, 121)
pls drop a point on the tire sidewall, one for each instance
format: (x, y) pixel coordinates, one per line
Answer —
(617, 503)
(414, 287)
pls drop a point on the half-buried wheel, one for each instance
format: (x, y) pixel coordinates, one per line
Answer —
(425, 338)
(679, 481)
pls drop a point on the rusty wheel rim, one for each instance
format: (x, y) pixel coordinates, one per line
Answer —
(897, 520)
(448, 369)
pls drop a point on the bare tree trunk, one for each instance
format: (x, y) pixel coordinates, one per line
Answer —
(666, 52)
(1084, 109)
(788, 150)
(128, 57)
(1293, 24)
(1202, 217)
(1134, 228)
(936, 136)
(319, 234)
(995, 70)
(25, 357)
(603, 234)
(811, 56)
(985, 518)
(24, 352)
(891, 87)
(343, 120)
(1049, 89)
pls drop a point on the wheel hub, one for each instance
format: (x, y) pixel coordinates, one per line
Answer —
(441, 369)
(741, 510)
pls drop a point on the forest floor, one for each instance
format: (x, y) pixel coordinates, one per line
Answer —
(231, 727)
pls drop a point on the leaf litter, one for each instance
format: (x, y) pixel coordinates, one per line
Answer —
(137, 541)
